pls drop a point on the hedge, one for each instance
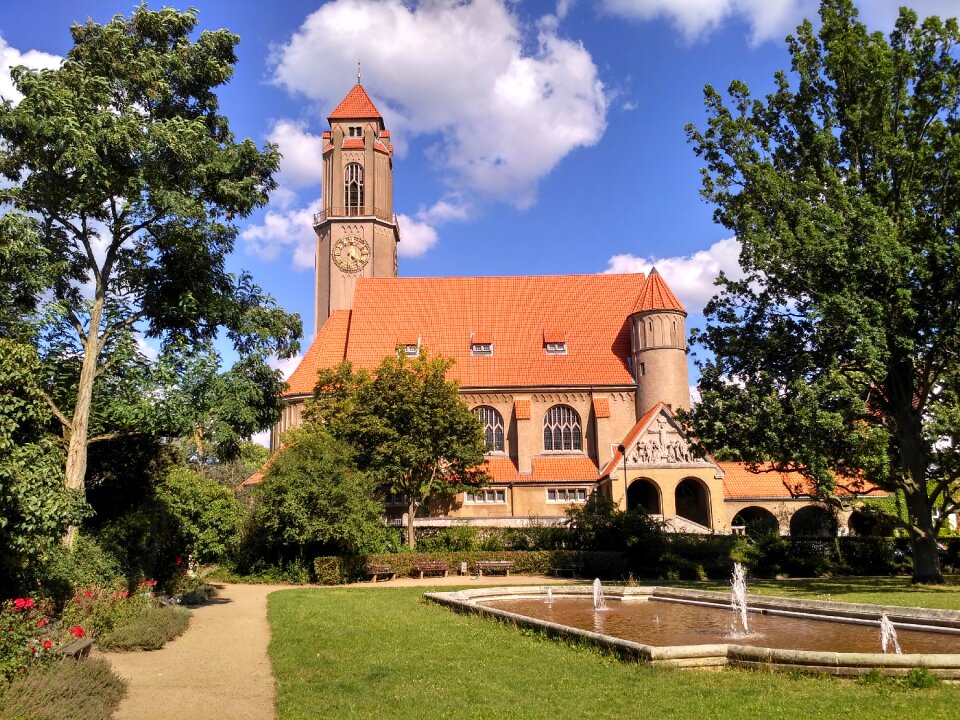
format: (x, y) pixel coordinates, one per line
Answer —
(606, 565)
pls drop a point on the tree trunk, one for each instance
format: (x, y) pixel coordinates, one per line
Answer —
(76, 468)
(923, 541)
(411, 511)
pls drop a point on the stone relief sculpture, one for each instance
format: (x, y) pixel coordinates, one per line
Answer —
(663, 444)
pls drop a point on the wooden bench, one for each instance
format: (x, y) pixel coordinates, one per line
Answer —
(78, 648)
(375, 571)
(505, 565)
(574, 569)
(430, 566)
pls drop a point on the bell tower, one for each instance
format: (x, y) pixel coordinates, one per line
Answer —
(357, 232)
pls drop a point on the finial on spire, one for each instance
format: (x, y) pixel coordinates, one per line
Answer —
(358, 72)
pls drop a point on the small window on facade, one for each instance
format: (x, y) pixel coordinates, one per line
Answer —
(395, 499)
(556, 348)
(643, 369)
(566, 495)
(481, 348)
(485, 496)
(561, 429)
(410, 350)
(356, 131)
(492, 423)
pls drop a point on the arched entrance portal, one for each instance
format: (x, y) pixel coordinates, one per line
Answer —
(693, 501)
(645, 494)
(813, 521)
(757, 521)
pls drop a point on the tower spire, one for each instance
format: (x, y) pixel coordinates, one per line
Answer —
(358, 72)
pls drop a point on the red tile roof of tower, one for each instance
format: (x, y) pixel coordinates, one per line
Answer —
(326, 351)
(656, 295)
(355, 106)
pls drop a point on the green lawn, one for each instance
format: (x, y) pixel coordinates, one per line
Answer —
(386, 653)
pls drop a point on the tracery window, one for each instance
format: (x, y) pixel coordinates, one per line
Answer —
(561, 429)
(492, 423)
(353, 188)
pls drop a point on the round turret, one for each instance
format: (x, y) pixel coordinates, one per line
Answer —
(659, 347)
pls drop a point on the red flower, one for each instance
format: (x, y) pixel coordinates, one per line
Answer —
(43, 622)
(88, 594)
(77, 631)
(47, 644)
(179, 561)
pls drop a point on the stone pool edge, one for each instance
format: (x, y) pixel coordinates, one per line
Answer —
(945, 666)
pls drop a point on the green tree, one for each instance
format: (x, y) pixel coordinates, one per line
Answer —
(35, 507)
(135, 181)
(836, 354)
(407, 425)
(313, 501)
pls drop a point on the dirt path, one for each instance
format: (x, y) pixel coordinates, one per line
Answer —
(219, 669)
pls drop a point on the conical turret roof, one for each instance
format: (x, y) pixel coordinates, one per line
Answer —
(356, 105)
(656, 295)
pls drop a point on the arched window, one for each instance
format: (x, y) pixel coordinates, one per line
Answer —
(561, 429)
(492, 423)
(353, 188)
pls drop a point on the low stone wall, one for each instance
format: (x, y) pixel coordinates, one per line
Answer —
(944, 666)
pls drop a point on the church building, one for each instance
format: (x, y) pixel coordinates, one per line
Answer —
(574, 378)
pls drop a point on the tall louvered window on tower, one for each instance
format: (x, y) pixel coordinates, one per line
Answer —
(561, 429)
(353, 188)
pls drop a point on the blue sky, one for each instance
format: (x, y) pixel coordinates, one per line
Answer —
(531, 137)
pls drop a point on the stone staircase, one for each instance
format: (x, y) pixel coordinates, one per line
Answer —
(679, 524)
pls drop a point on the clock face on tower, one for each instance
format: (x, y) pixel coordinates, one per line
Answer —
(351, 253)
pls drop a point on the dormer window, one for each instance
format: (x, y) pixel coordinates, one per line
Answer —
(481, 348)
(555, 342)
(410, 350)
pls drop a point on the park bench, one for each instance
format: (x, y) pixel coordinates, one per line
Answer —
(430, 566)
(374, 571)
(505, 565)
(78, 648)
(574, 569)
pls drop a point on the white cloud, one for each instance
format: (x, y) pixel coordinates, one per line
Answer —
(285, 366)
(768, 19)
(466, 71)
(302, 162)
(285, 229)
(416, 237)
(11, 57)
(690, 277)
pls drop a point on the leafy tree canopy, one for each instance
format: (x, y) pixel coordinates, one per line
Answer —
(837, 352)
(125, 182)
(407, 425)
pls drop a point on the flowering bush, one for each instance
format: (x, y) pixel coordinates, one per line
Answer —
(24, 636)
(97, 611)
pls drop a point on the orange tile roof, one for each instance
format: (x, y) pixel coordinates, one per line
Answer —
(325, 134)
(656, 295)
(327, 148)
(740, 482)
(326, 351)
(385, 133)
(630, 437)
(353, 144)
(382, 148)
(356, 105)
(481, 338)
(601, 407)
(521, 409)
(593, 311)
(554, 336)
(560, 468)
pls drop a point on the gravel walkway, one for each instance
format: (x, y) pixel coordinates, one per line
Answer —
(219, 668)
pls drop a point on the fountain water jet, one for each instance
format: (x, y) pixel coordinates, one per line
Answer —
(888, 636)
(549, 599)
(738, 600)
(598, 602)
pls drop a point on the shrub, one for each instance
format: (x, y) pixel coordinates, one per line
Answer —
(148, 629)
(921, 678)
(64, 690)
(451, 539)
(89, 565)
(209, 514)
(24, 636)
(867, 556)
(768, 555)
(98, 609)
